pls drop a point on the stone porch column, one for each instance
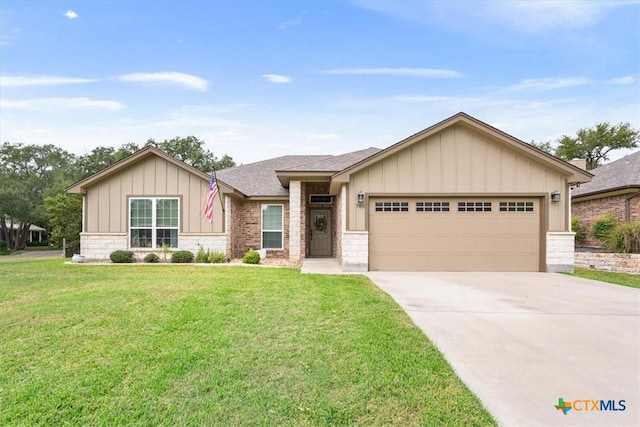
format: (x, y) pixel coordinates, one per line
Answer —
(295, 193)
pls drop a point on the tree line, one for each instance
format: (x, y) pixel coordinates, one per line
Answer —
(34, 179)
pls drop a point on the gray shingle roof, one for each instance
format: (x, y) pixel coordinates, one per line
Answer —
(334, 163)
(259, 178)
(621, 173)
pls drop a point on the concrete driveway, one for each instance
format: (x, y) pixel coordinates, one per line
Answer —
(521, 341)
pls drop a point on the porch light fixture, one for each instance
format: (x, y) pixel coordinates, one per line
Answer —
(360, 198)
(555, 196)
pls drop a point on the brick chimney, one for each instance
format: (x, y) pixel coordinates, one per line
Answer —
(580, 163)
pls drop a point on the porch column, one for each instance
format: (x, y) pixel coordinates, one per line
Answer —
(294, 220)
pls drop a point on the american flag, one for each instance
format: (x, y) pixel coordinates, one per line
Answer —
(211, 196)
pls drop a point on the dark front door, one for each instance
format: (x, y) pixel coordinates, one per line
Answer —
(320, 233)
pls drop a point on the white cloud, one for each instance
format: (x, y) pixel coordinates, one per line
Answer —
(626, 80)
(277, 78)
(323, 136)
(54, 104)
(292, 23)
(414, 72)
(41, 81)
(71, 14)
(289, 24)
(171, 77)
(524, 16)
(427, 98)
(549, 83)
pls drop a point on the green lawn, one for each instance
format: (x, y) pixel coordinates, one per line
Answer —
(631, 280)
(187, 345)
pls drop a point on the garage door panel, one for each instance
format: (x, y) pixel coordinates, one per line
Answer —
(457, 240)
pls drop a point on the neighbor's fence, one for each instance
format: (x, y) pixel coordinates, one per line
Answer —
(621, 263)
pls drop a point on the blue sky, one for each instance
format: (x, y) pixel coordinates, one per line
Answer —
(258, 79)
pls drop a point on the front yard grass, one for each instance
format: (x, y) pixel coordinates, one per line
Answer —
(232, 346)
(631, 280)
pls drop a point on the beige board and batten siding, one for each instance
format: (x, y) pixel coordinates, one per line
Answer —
(107, 209)
(458, 160)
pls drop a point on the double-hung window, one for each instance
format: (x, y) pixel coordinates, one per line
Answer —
(153, 222)
(272, 226)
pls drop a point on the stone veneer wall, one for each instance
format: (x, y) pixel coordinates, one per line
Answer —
(246, 228)
(340, 221)
(590, 211)
(98, 246)
(192, 242)
(355, 251)
(295, 220)
(560, 251)
(621, 263)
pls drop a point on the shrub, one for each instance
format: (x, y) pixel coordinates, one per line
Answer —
(217, 257)
(151, 258)
(182, 257)
(625, 238)
(3, 245)
(202, 256)
(578, 228)
(37, 244)
(602, 228)
(121, 257)
(251, 257)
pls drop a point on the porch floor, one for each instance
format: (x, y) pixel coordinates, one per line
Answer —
(321, 266)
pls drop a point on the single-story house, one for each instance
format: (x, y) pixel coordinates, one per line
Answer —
(460, 195)
(36, 233)
(614, 189)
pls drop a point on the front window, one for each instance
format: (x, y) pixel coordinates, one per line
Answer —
(272, 226)
(153, 222)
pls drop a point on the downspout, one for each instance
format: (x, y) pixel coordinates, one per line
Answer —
(627, 206)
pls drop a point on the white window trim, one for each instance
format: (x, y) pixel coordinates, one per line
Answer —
(153, 222)
(262, 230)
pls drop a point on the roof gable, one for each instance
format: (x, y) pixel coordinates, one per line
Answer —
(81, 186)
(573, 173)
(618, 175)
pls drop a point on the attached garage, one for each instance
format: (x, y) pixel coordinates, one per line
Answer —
(455, 234)
(460, 195)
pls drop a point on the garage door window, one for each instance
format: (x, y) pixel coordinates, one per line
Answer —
(432, 206)
(392, 206)
(516, 206)
(474, 206)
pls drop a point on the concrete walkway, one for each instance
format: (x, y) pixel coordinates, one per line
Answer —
(521, 341)
(321, 266)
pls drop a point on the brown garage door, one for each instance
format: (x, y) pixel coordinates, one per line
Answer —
(440, 234)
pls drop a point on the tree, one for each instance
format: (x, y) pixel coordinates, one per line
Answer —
(191, 151)
(594, 144)
(543, 146)
(29, 173)
(65, 218)
(101, 157)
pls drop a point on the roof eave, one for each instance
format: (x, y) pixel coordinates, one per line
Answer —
(625, 189)
(285, 177)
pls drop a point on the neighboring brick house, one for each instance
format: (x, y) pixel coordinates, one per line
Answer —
(614, 189)
(460, 195)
